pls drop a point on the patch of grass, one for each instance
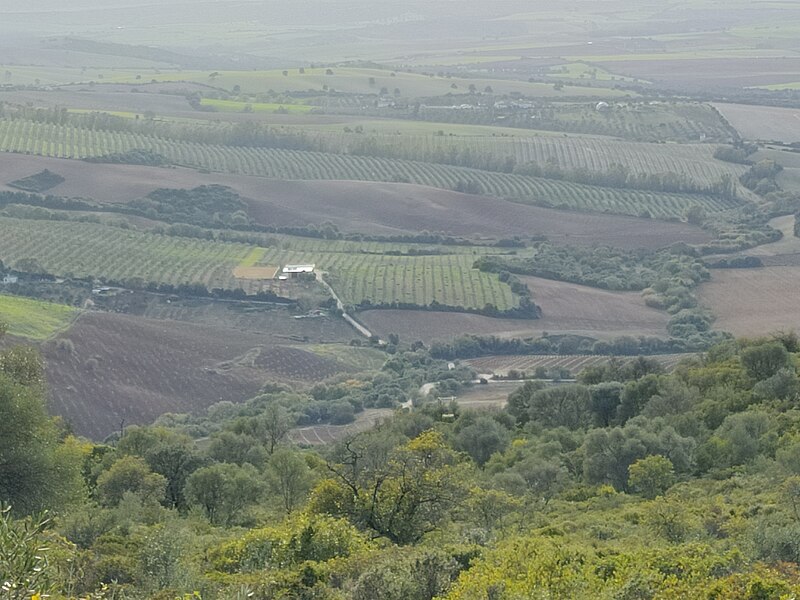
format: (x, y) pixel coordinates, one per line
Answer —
(34, 319)
(256, 107)
(253, 257)
(363, 359)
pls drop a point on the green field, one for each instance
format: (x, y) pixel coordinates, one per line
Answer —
(90, 250)
(361, 359)
(235, 106)
(346, 79)
(34, 319)
(64, 141)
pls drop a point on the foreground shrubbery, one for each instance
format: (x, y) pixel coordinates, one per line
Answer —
(631, 483)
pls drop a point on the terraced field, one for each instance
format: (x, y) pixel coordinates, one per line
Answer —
(63, 141)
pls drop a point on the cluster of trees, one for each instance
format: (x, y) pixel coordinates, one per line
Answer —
(38, 182)
(214, 206)
(762, 177)
(630, 483)
(738, 154)
(603, 267)
(473, 346)
(620, 176)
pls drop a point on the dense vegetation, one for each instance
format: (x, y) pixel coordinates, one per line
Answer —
(631, 483)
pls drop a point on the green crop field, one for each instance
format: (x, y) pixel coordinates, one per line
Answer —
(91, 250)
(448, 279)
(234, 106)
(72, 142)
(352, 80)
(34, 319)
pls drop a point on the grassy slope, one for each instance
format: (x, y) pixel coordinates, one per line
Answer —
(34, 319)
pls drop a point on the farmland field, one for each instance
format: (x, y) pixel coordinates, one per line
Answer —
(273, 322)
(33, 319)
(234, 106)
(501, 365)
(89, 250)
(318, 435)
(368, 207)
(593, 153)
(566, 308)
(62, 141)
(736, 295)
(84, 250)
(763, 122)
(132, 368)
(345, 79)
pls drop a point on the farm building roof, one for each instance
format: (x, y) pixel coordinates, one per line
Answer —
(298, 269)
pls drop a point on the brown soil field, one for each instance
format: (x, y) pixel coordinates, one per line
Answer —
(379, 208)
(566, 308)
(705, 73)
(276, 323)
(255, 272)
(483, 397)
(753, 302)
(763, 122)
(501, 365)
(133, 368)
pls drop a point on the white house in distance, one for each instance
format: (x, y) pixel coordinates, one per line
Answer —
(295, 270)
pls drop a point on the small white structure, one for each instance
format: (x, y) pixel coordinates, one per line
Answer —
(602, 106)
(10, 279)
(295, 270)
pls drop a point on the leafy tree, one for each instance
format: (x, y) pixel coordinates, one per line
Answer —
(605, 398)
(403, 498)
(519, 401)
(765, 360)
(37, 469)
(482, 438)
(561, 406)
(223, 491)
(274, 424)
(130, 474)
(290, 475)
(651, 476)
(168, 453)
(236, 448)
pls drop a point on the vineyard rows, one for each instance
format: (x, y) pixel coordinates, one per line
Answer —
(90, 250)
(501, 365)
(448, 279)
(696, 161)
(71, 142)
